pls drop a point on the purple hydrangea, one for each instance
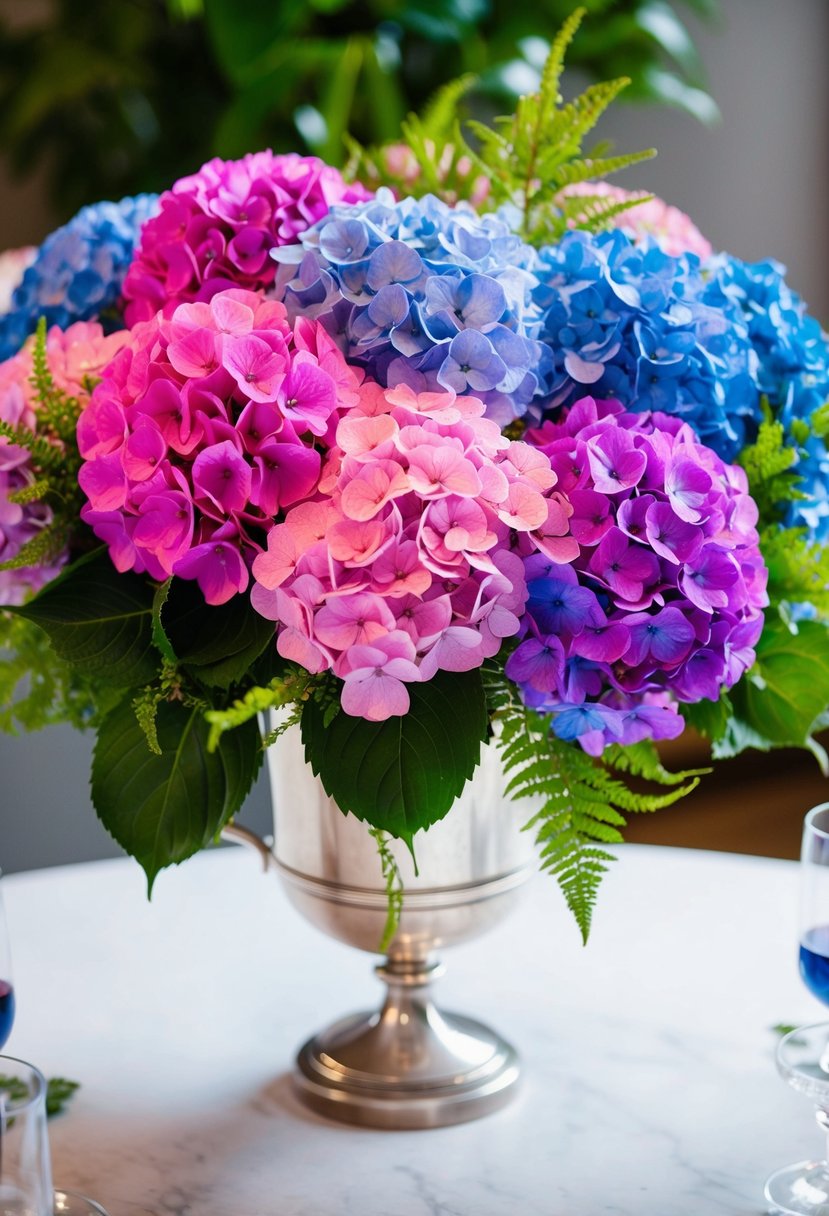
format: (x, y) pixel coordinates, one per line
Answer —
(634, 323)
(78, 272)
(664, 602)
(791, 369)
(423, 294)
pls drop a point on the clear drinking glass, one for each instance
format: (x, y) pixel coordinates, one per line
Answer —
(6, 986)
(803, 1055)
(25, 1168)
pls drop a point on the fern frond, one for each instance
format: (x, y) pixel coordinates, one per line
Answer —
(283, 691)
(393, 881)
(582, 806)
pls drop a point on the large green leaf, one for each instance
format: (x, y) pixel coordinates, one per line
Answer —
(163, 808)
(779, 701)
(98, 620)
(218, 642)
(402, 774)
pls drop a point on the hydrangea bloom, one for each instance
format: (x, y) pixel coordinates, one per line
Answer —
(665, 599)
(791, 370)
(201, 430)
(672, 230)
(633, 323)
(423, 294)
(409, 561)
(78, 271)
(215, 228)
(80, 352)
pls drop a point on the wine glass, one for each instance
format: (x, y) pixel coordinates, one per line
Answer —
(803, 1054)
(25, 1168)
(6, 986)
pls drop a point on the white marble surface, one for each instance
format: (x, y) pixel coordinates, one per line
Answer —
(649, 1083)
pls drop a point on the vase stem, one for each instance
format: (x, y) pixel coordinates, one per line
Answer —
(407, 1065)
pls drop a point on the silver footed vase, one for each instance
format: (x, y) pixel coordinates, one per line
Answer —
(407, 1064)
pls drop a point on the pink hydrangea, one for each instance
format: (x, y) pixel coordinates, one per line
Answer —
(202, 431)
(674, 232)
(409, 560)
(73, 357)
(13, 265)
(215, 229)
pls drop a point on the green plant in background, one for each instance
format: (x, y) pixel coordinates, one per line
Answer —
(115, 99)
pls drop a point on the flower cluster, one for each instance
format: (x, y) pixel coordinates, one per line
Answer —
(633, 323)
(202, 430)
(652, 219)
(215, 229)
(665, 599)
(423, 294)
(73, 357)
(78, 272)
(791, 370)
(408, 561)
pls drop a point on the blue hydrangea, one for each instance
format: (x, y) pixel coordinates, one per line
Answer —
(78, 271)
(791, 369)
(421, 293)
(634, 323)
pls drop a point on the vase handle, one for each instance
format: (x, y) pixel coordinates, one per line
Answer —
(236, 834)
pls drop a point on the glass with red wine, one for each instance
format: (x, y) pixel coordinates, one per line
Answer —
(803, 1054)
(6, 985)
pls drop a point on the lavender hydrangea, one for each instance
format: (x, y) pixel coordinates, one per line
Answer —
(664, 602)
(634, 323)
(791, 370)
(423, 294)
(78, 271)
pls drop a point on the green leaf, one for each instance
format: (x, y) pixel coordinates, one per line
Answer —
(163, 808)
(402, 774)
(98, 620)
(782, 696)
(710, 718)
(218, 642)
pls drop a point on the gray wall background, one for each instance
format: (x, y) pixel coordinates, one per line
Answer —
(756, 185)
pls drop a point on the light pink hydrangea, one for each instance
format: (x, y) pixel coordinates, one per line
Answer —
(202, 430)
(216, 228)
(409, 560)
(13, 265)
(674, 232)
(73, 356)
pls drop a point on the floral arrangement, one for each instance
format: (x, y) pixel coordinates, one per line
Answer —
(407, 467)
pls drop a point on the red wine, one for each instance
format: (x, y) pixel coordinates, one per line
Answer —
(6, 1011)
(814, 962)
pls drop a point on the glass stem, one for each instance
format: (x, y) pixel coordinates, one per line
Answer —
(822, 1117)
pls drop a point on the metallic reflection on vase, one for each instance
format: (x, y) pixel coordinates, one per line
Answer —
(407, 1065)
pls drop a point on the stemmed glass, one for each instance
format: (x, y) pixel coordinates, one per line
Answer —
(6, 986)
(803, 1054)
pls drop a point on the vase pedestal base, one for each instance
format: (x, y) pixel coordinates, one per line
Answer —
(408, 1065)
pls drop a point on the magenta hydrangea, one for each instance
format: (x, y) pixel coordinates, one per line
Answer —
(410, 560)
(72, 356)
(202, 430)
(215, 228)
(665, 599)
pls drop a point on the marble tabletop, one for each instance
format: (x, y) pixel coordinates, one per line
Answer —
(649, 1086)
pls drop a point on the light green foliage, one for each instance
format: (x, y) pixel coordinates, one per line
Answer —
(37, 688)
(59, 1091)
(798, 568)
(581, 801)
(528, 159)
(535, 153)
(438, 153)
(394, 887)
(54, 462)
(282, 692)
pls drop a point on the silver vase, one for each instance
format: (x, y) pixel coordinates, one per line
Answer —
(406, 1065)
